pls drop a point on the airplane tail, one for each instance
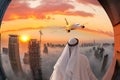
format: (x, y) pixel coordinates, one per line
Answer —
(66, 22)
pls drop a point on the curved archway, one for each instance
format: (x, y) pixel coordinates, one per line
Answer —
(3, 6)
(112, 17)
(112, 9)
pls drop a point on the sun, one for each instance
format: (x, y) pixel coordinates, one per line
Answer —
(24, 38)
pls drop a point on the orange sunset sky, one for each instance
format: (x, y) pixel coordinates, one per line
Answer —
(27, 17)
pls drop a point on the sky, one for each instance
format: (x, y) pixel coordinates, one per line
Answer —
(27, 17)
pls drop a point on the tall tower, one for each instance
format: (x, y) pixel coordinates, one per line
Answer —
(34, 55)
(14, 54)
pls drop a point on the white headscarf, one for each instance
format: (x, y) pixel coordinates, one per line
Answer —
(68, 65)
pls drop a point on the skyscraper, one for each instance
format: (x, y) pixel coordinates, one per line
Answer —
(14, 54)
(34, 54)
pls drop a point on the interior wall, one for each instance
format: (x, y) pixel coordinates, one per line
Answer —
(117, 41)
(112, 8)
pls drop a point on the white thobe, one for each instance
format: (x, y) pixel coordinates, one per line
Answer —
(82, 72)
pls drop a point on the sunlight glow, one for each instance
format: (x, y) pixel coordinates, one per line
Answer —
(24, 38)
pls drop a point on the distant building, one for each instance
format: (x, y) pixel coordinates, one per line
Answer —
(14, 54)
(26, 58)
(34, 54)
(104, 63)
(5, 50)
(45, 50)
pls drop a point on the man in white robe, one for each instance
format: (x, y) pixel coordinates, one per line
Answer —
(72, 65)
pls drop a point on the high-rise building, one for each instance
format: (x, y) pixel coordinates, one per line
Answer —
(14, 54)
(5, 50)
(34, 54)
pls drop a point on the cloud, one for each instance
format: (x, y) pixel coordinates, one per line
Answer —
(108, 33)
(77, 13)
(89, 2)
(10, 73)
(21, 29)
(21, 10)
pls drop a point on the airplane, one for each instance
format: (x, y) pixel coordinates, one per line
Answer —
(73, 26)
